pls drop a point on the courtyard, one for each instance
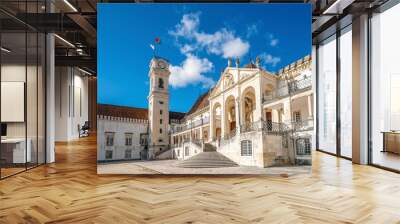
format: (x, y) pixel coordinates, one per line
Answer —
(169, 167)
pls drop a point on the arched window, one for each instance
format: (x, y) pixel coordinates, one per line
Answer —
(160, 83)
(246, 148)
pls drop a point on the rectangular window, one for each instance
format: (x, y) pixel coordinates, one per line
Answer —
(160, 111)
(109, 138)
(307, 146)
(128, 139)
(128, 154)
(385, 89)
(160, 121)
(109, 154)
(346, 72)
(160, 130)
(246, 148)
(186, 151)
(327, 95)
(143, 139)
(303, 146)
(297, 116)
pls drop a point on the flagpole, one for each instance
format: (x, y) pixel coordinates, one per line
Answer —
(156, 42)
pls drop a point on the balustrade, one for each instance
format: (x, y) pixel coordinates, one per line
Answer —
(293, 87)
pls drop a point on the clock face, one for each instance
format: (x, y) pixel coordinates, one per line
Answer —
(161, 65)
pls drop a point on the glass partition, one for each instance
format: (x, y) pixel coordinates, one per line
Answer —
(22, 88)
(385, 89)
(13, 105)
(327, 95)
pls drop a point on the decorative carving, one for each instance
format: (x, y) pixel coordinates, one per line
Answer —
(228, 81)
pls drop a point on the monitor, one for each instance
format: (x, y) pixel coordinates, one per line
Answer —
(3, 129)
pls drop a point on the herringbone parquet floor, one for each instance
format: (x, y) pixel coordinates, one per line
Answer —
(70, 191)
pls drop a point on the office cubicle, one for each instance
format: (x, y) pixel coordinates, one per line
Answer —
(22, 78)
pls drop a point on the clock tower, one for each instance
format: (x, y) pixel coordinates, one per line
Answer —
(158, 106)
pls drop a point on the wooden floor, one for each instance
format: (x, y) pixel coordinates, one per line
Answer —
(70, 191)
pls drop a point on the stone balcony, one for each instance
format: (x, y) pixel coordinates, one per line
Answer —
(185, 127)
(291, 88)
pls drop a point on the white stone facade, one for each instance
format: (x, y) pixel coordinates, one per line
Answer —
(119, 129)
(271, 112)
(251, 116)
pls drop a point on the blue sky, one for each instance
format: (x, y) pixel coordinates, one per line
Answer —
(197, 39)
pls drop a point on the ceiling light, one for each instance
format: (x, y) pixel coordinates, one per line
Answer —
(337, 7)
(64, 40)
(70, 5)
(5, 50)
(84, 71)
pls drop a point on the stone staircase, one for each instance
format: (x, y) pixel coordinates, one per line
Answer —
(166, 153)
(209, 158)
(208, 147)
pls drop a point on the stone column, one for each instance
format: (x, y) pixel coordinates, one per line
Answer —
(223, 122)
(237, 115)
(50, 93)
(211, 120)
(287, 111)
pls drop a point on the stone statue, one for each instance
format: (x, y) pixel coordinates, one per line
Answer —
(258, 61)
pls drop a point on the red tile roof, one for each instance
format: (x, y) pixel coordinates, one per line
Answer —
(130, 112)
(200, 103)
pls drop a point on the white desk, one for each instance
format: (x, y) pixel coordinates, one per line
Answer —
(19, 154)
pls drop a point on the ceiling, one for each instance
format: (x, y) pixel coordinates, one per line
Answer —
(75, 21)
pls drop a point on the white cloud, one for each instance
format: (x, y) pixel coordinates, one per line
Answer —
(191, 72)
(273, 41)
(215, 43)
(251, 30)
(269, 59)
(187, 26)
(187, 48)
(235, 48)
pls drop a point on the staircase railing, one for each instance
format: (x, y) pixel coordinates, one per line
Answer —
(270, 127)
(157, 153)
(197, 142)
(231, 134)
(250, 126)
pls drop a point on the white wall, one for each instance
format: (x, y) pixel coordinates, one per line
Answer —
(119, 127)
(71, 102)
